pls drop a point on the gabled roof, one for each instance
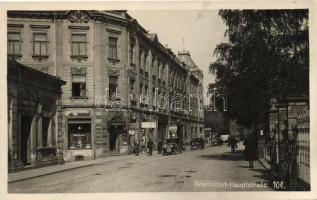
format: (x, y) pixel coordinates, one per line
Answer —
(184, 56)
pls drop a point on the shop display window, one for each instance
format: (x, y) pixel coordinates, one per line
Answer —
(79, 135)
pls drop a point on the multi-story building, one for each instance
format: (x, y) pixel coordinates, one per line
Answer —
(121, 81)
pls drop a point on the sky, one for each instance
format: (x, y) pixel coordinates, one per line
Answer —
(201, 30)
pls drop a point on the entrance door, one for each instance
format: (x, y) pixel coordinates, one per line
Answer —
(179, 133)
(26, 122)
(115, 131)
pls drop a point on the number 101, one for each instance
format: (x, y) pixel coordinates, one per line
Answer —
(279, 185)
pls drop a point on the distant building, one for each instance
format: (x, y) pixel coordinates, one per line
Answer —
(238, 130)
(108, 61)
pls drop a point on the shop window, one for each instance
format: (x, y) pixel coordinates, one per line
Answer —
(79, 134)
(113, 86)
(45, 130)
(79, 45)
(14, 43)
(113, 51)
(79, 86)
(40, 44)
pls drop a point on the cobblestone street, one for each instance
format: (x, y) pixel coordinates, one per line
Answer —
(211, 169)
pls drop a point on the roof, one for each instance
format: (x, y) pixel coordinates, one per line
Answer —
(34, 78)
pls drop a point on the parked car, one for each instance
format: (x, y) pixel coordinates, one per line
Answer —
(172, 146)
(197, 143)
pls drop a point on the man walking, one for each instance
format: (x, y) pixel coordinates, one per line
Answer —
(150, 146)
(250, 150)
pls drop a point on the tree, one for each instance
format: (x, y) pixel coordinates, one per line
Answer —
(267, 56)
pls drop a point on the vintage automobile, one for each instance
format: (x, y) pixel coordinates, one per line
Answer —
(197, 143)
(172, 146)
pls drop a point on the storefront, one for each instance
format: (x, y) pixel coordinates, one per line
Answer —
(79, 138)
(33, 109)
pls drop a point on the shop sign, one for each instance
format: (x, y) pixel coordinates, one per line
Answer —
(77, 113)
(117, 123)
(148, 125)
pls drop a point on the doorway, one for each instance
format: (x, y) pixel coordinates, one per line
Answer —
(114, 142)
(26, 122)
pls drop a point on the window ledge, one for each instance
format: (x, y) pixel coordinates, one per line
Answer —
(113, 60)
(40, 57)
(14, 56)
(84, 97)
(79, 58)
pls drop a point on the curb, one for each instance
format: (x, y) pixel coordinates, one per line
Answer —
(49, 173)
(61, 170)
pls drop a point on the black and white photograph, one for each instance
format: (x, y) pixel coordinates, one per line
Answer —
(157, 100)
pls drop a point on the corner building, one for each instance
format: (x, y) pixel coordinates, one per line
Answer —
(120, 80)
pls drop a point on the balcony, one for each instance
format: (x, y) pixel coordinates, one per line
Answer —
(141, 71)
(154, 77)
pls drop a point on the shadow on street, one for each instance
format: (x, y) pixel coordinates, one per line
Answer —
(227, 156)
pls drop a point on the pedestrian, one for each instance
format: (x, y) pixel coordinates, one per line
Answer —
(150, 146)
(137, 148)
(250, 151)
(159, 147)
(232, 143)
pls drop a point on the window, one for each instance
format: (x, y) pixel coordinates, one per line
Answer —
(112, 54)
(112, 86)
(144, 62)
(79, 134)
(146, 90)
(140, 58)
(158, 69)
(79, 86)
(39, 44)
(141, 89)
(14, 43)
(132, 85)
(131, 54)
(79, 48)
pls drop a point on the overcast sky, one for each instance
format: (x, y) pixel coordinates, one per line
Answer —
(202, 30)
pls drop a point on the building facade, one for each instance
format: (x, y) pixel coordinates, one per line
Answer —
(122, 84)
(34, 113)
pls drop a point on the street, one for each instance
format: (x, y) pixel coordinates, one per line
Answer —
(210, 169)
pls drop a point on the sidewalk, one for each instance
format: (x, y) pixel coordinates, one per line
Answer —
(38, 172)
